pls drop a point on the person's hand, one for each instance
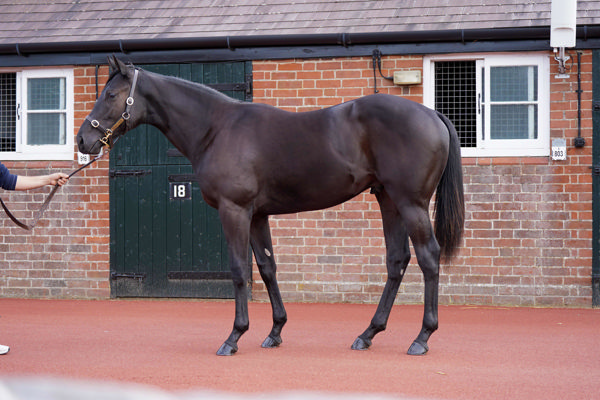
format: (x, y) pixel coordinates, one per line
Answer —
(58, 178)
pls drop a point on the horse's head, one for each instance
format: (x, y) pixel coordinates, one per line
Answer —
(113, 112)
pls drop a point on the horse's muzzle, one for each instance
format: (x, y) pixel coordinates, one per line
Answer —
(88, 146)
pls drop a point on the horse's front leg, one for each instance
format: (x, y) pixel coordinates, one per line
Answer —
(236, 226)
(260, 240)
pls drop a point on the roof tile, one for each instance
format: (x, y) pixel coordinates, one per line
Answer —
(85, 20)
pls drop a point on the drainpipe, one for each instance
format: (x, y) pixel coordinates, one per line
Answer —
(596, 180)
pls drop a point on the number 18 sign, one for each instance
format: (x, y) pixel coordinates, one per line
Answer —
(180, 190)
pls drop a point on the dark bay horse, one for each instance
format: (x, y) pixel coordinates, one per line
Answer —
(254, 160)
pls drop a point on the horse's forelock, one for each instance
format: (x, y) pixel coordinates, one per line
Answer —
(113, 73)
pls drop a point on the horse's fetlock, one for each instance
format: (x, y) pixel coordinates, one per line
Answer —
(431, 324)
(377, 326)
(241, 328)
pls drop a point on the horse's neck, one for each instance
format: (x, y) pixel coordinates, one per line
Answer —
(181, 112)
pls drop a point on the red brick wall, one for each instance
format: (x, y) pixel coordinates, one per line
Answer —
(528, 227)
(67, 253)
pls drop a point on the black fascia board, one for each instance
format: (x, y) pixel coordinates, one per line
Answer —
(256, 47)
(233, 42)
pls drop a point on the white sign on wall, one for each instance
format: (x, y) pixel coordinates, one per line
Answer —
(559, 149)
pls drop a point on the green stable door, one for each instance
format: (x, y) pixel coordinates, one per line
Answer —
(164, 240)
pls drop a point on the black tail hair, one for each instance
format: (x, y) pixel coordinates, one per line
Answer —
(449, 205)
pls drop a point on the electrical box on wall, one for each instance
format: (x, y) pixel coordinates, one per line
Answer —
(563, 21)
(407, 77)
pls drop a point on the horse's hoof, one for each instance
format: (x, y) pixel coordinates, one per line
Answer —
(418, 349)
(271, 342)
(227, 350)
(361, 344)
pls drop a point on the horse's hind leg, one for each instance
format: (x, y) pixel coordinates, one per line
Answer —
(260, 240)
(427, 251)
(398, 256)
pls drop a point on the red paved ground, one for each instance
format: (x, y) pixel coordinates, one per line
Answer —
(478, 352)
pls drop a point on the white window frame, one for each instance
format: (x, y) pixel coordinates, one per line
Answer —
(487, 147)
(28, 152)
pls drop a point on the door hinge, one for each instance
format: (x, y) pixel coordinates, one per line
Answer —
(596, 105)
(114, 173)
(249, 93)
(595, 169)
(245, 87)
(127, 275)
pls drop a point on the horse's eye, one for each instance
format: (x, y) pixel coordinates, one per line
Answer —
(111, 95)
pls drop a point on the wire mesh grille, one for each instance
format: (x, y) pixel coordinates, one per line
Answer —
(8, 111)
(456, 97)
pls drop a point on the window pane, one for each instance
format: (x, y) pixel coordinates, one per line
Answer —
(514, 121)
(8, 111)
(513, 83)
(46, 94)
(455, 97)
(46, 128)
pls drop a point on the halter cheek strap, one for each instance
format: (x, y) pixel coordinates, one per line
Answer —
(108, 132)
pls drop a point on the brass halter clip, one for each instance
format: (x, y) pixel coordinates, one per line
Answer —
(106, 140)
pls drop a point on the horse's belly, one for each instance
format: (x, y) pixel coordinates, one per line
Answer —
(319, 192)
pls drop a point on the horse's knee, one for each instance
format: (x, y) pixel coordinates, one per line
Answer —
(267, 273)
(238, 277)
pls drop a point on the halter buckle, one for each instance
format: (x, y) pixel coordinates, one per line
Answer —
(129, 101)
(95, 123)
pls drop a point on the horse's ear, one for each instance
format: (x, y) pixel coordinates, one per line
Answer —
(117, 65)
(111, 63)
(122, 67)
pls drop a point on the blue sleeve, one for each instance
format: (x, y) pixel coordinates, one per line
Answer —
(7, 180)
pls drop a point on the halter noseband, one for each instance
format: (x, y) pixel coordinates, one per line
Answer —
(108, 132)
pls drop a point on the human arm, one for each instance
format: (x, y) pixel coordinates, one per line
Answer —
(32, 182)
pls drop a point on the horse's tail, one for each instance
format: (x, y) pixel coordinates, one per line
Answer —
(449, 199)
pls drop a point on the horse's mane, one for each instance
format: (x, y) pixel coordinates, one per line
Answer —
(198, 86)
(195, 85)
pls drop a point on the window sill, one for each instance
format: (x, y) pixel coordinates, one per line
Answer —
(42, 156)
(517, 160)
(490, 153)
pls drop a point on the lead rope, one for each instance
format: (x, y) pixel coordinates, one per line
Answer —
(45, 204)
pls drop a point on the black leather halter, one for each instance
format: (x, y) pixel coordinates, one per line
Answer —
(107, 140)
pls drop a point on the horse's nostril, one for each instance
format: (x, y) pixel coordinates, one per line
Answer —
(80, 143)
